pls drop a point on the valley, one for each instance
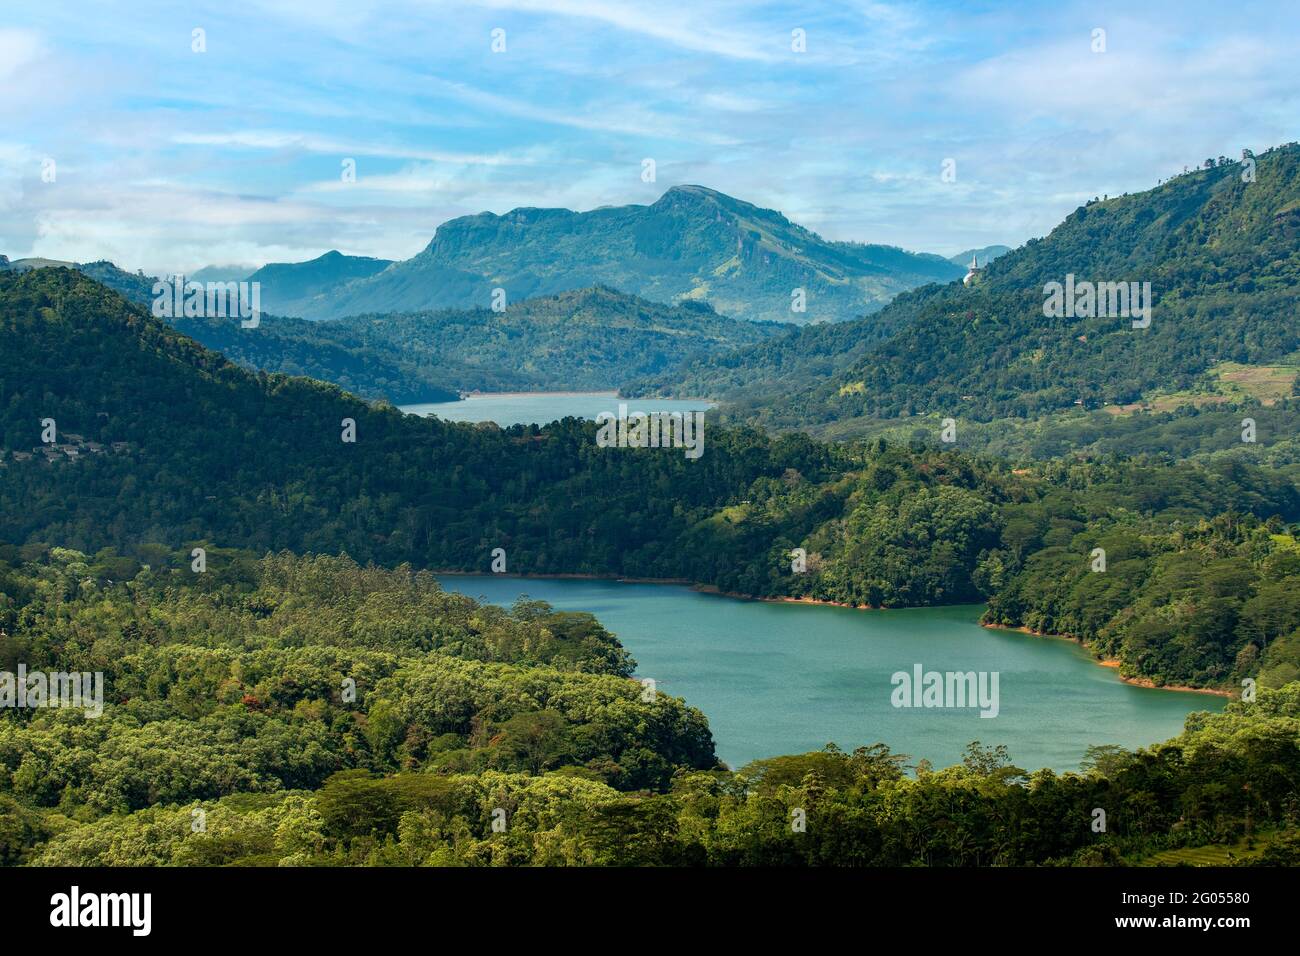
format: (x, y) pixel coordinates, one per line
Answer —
(902, 491)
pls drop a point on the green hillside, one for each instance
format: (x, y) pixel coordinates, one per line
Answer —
(1223, 260)
(308, 711)
(587, 339)
(214, 455)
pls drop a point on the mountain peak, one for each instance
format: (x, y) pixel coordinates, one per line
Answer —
(692, 243)
(690, 189)
(700, 196)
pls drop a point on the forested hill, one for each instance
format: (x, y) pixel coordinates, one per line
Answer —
(692, 243)
(292, 347)
(206, 450)
(133, 286)
(313, 712)
(162, 443)
(1222, 256)
(587, 339)
(1223, 260)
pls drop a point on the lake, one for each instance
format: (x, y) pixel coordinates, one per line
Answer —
(526, 408)
(788, 678)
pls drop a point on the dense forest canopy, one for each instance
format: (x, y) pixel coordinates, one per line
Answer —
(585, 339)
(481, 736)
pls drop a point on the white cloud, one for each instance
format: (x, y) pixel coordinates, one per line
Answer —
(1135, 81)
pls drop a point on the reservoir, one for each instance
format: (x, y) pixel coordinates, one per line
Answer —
(526, 408)
(788, 678)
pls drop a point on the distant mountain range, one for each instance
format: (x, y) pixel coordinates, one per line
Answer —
(693, 244)
(585, 339)
(1221, 256)
(293, 288)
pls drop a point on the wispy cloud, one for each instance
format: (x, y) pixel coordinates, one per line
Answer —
(628, 118)
(279, 140)
(713, 29)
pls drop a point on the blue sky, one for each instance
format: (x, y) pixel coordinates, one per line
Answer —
(168, 159)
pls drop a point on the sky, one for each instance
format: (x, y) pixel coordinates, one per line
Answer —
(938, 127)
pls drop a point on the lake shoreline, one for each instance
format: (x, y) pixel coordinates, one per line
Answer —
(580, 394)
(776, 681)
(564, 576)
(711, 589)
(536, 394)
(507, 409)
(1112, 662)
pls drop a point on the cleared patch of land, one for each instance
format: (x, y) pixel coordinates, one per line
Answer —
(1216, 854)
(1225, 382)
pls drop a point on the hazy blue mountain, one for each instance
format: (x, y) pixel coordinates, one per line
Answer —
(220, 274)
(289, 288)
(693, 243)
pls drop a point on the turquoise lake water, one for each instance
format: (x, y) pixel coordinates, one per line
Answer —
(788, 678)
(524, 409)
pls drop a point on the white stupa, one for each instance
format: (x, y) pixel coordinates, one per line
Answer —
(974, 270)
